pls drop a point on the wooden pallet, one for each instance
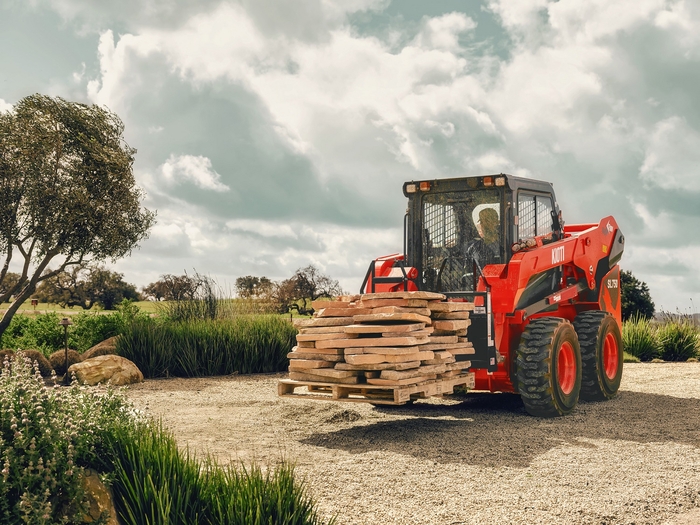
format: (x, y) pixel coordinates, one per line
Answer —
(380, 395)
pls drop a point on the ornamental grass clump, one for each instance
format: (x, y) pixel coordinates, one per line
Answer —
(244, 344)
(639, 338)
(679, 339)
(155, 482)
(47, 436)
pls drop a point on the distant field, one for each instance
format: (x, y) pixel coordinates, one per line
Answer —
(42, 308)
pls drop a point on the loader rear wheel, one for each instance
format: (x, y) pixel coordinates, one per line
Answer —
(601, 355)
(549, 367)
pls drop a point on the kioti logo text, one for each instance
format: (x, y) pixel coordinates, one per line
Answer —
(557, 255)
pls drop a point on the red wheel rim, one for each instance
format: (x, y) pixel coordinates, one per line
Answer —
(566, 368)
(611, 359)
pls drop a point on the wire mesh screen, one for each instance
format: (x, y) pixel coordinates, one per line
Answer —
(526, 216)
(440, 240)
(544, 215)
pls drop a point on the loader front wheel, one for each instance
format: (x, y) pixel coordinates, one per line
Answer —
(601, 355)
(549, 367)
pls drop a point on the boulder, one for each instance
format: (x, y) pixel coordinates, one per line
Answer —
(98, 499)
(112, 369)
(58, 360)
(106, 347)
(45, 367)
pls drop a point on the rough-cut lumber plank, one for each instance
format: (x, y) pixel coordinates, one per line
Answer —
(465, 350)
(443, 339)
(349, 298)
(464, 340)
(323, 337)
(406, 303)
(322, 357)
(336, 374)
(396, 310)
(418, 356)
(381, 318)
(449, 347)
(375, 341)
(323, 330)
(303, 364)
(371, 373)
(404, 295)
(448, 316)
(441, 357)
(418, 333)
(306, 344)
(459, 365)
(387, 350)
(400, 382)
(383, 328)
(364, 359)
(380, 366)
(329, 351)
(300, 376)
(341, 312)
(450, 325)
(451, 306)
(423, 370)
(323, 321)
(320, 303)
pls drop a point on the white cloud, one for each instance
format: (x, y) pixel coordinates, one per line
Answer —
(5, 106)
(191, 168)
(672, 157)
(574, 102)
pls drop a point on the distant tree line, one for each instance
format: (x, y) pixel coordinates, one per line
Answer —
(296, 293)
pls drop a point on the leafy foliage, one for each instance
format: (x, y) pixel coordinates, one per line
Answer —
(306, 285)
(85, 286)
(175, 287)
(67, 191)
(244, 344)
(47, 436)
(44, 333)
(249, 287)
(636, 298)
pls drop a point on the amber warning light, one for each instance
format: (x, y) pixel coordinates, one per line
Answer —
(425, 186)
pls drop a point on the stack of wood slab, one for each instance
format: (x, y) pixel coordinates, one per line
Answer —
(383, 339)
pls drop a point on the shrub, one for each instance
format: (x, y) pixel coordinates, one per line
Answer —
(244, 344)
(47, 436)
(639, 338)
(679, 340)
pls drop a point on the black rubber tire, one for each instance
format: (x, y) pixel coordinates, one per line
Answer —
(592, 328)
(537, 364)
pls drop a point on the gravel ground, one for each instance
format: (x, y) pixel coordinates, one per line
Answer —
(474, 459)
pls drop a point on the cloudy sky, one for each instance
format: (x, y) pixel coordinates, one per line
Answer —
(272, 134)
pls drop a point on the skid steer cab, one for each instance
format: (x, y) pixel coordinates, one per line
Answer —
(547, 315)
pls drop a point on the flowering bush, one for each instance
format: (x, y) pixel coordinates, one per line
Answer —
(47, 436)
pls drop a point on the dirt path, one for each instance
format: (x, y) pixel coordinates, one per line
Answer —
(477, 459)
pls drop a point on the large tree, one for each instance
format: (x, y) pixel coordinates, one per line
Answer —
(636, 298)
(86, 286)
(306, 285)
(67, 192)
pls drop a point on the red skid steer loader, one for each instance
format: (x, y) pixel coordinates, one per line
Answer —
(548, 314)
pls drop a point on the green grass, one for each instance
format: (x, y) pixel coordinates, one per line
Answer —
(244, 345)
(629, 358)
